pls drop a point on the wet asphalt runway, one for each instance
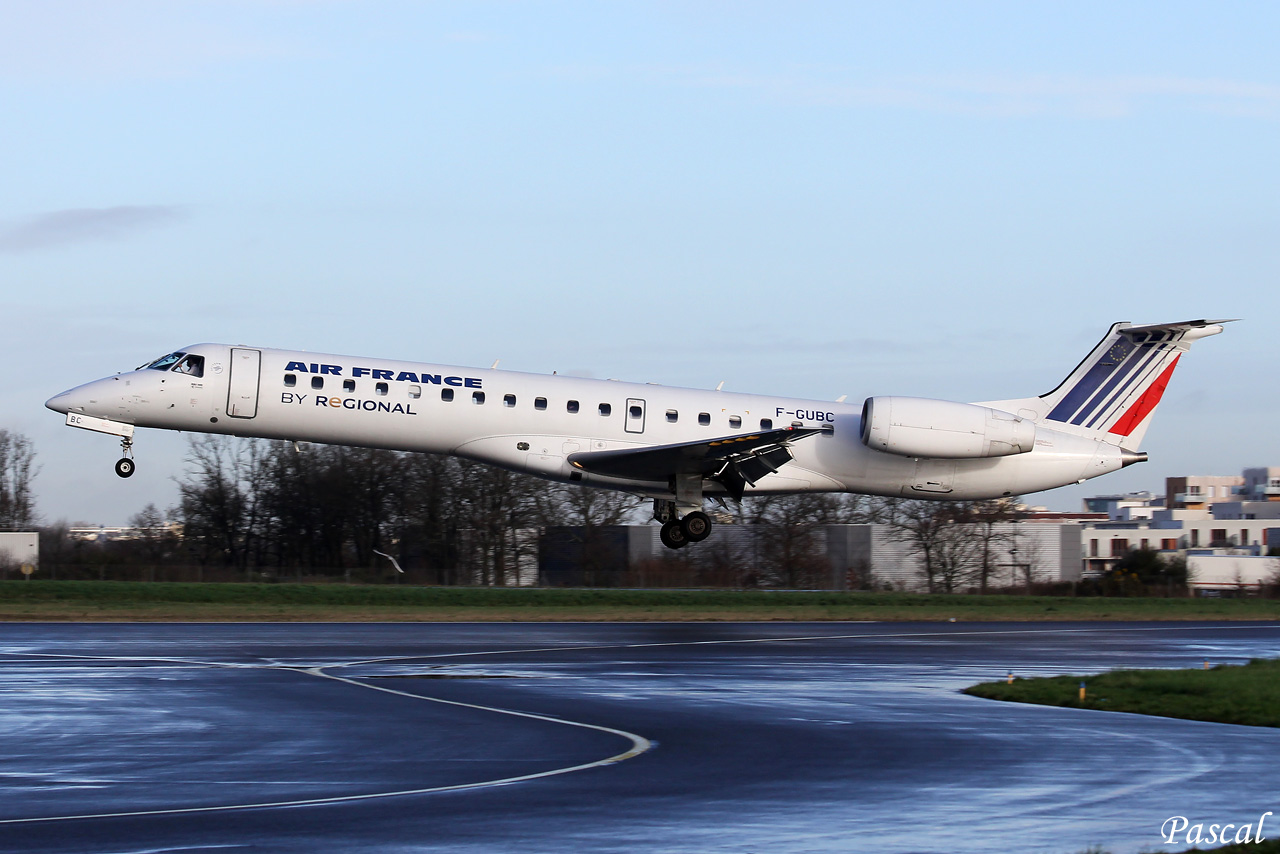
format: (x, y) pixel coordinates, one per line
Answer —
(747, 737)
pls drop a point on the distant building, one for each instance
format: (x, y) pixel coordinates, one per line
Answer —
(1200, 491)
(1048, 550)
(18, 549)
(1234, 515)
(114, 533)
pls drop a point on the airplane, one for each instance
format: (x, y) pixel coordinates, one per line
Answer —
(677, 446)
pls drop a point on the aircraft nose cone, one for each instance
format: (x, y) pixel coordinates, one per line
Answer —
(60, 402)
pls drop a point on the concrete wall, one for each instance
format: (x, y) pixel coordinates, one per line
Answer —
(1231, 572)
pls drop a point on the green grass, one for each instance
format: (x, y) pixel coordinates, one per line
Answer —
(123, 600)
(1266, 846)
(1247, 694)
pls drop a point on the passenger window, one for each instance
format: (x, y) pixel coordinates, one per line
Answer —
(509, 400)
(766, 423)
(290, 380)
(735, 422)
(704, 418)
(446, 394)
(673, 416)
(539, 403)
(349, 386)
(415, 391)
(605, 409)
(380, 388)
(636, 412)
(572, 406)
(317, 382)
(797, 424)
(477, 397)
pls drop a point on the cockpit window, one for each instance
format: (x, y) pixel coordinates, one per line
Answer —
(191, 365)
(164, 363)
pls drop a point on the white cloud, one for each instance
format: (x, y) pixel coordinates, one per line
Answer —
(79, 225)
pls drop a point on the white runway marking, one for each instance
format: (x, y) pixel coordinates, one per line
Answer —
(639, 744)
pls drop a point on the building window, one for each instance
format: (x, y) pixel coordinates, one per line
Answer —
(539, 403)
(1119, 547)
(1169, 545)
(572, 406)
(380, 389)
(317, 382)
(606, 409)
(1093, 548)
(446, 394)
(509, 400)
(673, 416)
(1195, 537)
(477, 397)
(704, 418)
(290, 380)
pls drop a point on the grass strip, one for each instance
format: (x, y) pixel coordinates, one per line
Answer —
(1266, 846)
(1246, 694)
(170, 601)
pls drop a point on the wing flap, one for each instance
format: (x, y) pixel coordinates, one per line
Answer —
(734, 461)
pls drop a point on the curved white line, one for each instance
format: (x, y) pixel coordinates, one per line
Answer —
(639, 744)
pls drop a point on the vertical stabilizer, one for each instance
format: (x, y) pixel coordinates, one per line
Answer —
(1114, 392)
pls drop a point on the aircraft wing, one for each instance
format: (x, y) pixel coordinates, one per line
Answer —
(734, 461)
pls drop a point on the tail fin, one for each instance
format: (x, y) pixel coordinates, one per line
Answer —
(1114, 391)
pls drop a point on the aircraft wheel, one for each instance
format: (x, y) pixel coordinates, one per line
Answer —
(696, 526)
(124, 467)
(673, 535)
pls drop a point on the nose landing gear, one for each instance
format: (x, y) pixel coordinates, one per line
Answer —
(125, 465)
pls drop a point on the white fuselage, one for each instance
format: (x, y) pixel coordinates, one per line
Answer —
(534, 422)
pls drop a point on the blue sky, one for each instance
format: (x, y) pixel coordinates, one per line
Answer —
(817, 199)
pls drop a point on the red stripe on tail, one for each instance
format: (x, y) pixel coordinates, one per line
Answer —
(1142, 408)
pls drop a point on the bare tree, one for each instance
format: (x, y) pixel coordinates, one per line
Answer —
(986, 521)
(155, 542)
(17, 470)
(221, 498)
(944, 545)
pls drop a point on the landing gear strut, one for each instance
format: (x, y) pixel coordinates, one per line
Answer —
(125, 465)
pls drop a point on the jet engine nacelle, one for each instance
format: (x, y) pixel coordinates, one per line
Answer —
(942, 429)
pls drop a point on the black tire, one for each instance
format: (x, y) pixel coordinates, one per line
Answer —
(673, 535)
(696, 526)
(124, 467)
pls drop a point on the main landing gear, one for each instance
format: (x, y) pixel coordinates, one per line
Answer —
(693, 527)
(125, 465)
